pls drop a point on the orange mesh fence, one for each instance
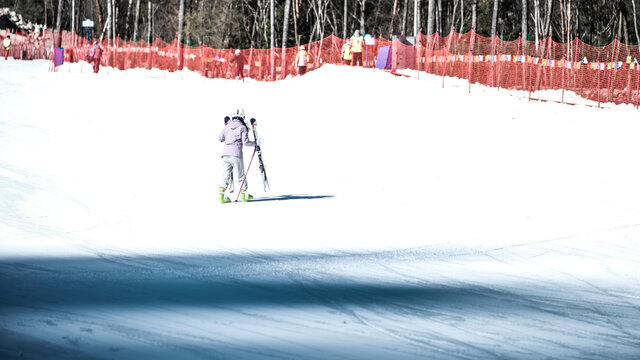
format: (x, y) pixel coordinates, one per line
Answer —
(603, 74)
(607, 74)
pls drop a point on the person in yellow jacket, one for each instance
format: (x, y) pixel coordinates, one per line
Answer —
(6, 44)
(301, 61)
(357, 44)
(346, 52)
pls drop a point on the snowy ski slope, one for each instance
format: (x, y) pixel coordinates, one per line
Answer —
(405, 221)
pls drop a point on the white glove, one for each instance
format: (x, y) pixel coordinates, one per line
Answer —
(258, 142)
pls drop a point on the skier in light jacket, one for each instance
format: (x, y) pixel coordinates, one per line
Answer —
(235, 135)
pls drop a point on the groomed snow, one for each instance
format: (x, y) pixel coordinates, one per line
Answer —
(405, 220)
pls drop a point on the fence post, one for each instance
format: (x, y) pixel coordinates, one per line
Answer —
(470, 54)
(470, 61)
(612, 70)
(599, 83)
(564, 69)
(518, 59)
(638, 86)
(332, 45)
(530, 77)
(492, 57)
(444, 66)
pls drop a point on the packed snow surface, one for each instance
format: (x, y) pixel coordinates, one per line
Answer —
(406, 220)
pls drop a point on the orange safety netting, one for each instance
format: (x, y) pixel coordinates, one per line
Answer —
(604, 74)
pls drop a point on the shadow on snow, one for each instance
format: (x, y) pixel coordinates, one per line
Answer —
(292, 197)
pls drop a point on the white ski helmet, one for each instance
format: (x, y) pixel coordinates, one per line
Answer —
(239, 113)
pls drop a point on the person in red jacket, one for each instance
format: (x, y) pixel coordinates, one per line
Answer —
(240, 61)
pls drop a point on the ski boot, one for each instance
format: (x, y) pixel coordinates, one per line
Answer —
(223, 197)
(244, 196)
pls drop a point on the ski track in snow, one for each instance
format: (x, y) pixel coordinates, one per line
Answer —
(388, 234)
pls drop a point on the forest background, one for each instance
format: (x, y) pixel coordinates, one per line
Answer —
(285, 23)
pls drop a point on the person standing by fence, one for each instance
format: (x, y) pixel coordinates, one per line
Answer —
(240, 61)
(346, 52)
(95, 57)
(6, 43)
(301, 61)
(357, 42)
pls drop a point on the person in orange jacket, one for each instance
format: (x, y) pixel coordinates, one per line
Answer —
(301, 61)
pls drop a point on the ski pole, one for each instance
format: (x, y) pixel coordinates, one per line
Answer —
(245, 174)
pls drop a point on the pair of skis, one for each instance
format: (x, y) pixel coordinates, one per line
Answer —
(258, 150)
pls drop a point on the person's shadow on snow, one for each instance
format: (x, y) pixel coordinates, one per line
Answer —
(292, 197)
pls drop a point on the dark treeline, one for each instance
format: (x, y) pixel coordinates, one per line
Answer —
(247, 23)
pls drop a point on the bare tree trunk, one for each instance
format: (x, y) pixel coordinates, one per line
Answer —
(524, 29)
(404, 16)
(45, 13)
(461, 17)
(149, 21)
(569, 31)
(106, 23)
(344, 22)
(363, 3)
(127, 21)
(561, 20)
(285, 33)
(635, 21)
(416, 17)
(452, 28)
(453, 22)
(494, 19)
(273, 40)
(431, 17)
(474, 16)
(394, 12)
(577, 30)
(114, 17)
(59, 24)
(73, 22)
(439, 17)
(99, 10)
(547, 21)
(296, 13)
(135, 23)
(180, 25)
(474, 24)
(536, 19)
